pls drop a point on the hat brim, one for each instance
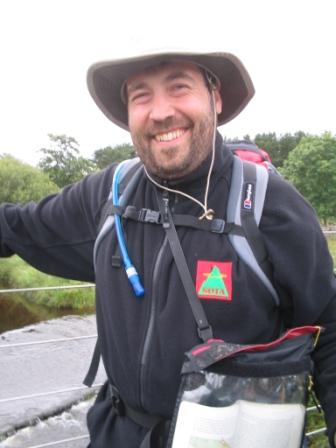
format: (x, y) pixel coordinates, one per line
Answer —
(105, 81)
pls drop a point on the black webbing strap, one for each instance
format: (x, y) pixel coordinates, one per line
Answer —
(107, 210)
(154, 423)
(251, 229)
(204, 329)
(216, 225)
(93, 369)
(151, 422)
(123, 409)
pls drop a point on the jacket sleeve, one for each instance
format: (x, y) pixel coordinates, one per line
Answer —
(57, 234)
(303, 275)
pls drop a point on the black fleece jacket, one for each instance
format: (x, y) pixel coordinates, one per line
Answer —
(143, 339)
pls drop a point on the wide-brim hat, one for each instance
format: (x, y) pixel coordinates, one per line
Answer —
(107, 78)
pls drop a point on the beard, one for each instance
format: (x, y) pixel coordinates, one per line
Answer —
(176, 161)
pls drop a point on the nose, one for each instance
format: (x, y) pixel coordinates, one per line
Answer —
(161, 108)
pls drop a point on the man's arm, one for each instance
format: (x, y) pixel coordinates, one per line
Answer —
(57, 234)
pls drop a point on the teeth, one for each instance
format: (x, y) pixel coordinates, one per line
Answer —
(169, 135)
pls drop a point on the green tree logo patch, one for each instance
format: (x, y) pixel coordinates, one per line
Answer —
(214, 280)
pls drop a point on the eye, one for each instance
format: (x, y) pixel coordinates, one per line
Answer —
(139, 97)
(179, 87)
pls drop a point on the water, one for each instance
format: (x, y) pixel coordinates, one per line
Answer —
(68, 425)
(16, 312)
(42, 368)
(26, 371)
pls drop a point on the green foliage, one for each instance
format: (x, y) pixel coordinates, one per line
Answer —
(311, 167)
(21, 183)
(16, 273)
(278, 147)
(62, 161)
(106, 156)
(331, 239)
(316, 421)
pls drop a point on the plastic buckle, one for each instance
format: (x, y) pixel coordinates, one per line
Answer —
(118, 405)
(151, 216)
(205, 333)
(217, 225)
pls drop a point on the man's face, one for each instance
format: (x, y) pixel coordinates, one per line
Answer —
(171, 118)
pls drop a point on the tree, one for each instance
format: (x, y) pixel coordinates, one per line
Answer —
(270, 143)
(62, 161)
(106, 156)
(278, 147)
(287, 143)
(21, 183)
(311, 167)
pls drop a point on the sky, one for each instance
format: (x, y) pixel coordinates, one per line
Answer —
(46, 47)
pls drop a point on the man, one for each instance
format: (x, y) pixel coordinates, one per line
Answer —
(171, 103)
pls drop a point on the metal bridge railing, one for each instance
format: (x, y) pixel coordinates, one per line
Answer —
(309, 434)
(53, 392)
(61, 442)
(47, 288)
(43, 342)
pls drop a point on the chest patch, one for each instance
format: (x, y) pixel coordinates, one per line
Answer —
(214, 280)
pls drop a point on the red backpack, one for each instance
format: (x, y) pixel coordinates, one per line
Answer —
(252, 153)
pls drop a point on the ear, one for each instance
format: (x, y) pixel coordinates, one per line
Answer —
(218, 100)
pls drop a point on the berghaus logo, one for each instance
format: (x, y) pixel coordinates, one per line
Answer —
(247, 204)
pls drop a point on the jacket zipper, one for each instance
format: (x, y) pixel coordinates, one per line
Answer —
(150, 328)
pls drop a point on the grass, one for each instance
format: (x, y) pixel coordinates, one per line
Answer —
(315, 420)
(15, 273)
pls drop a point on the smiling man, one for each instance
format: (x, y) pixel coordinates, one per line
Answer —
(172, 102)
(171, 117)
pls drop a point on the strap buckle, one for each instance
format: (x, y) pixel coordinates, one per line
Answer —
(205, 333)
(117, 403)
(217, 225)
(147, 215)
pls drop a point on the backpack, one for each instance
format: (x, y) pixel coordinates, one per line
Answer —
(251, 152)
(244, 210)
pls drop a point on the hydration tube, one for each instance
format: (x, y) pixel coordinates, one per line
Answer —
(131, 272)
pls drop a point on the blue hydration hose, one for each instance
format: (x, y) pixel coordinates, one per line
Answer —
(131, 272)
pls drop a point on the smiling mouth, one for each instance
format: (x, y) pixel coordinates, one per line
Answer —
(169, 136)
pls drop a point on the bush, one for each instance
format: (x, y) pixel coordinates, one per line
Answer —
(16, 273)
(21, 183)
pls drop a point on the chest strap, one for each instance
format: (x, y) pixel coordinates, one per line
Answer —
(216, 225)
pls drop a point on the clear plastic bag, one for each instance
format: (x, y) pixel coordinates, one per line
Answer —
(235, 396)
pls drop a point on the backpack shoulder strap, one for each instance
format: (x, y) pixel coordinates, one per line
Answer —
(130, 178)
(131, 174)
(245, 206)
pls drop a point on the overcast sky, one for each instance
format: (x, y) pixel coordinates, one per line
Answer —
(46, 47)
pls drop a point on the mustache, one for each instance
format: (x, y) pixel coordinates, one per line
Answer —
(167, 125)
